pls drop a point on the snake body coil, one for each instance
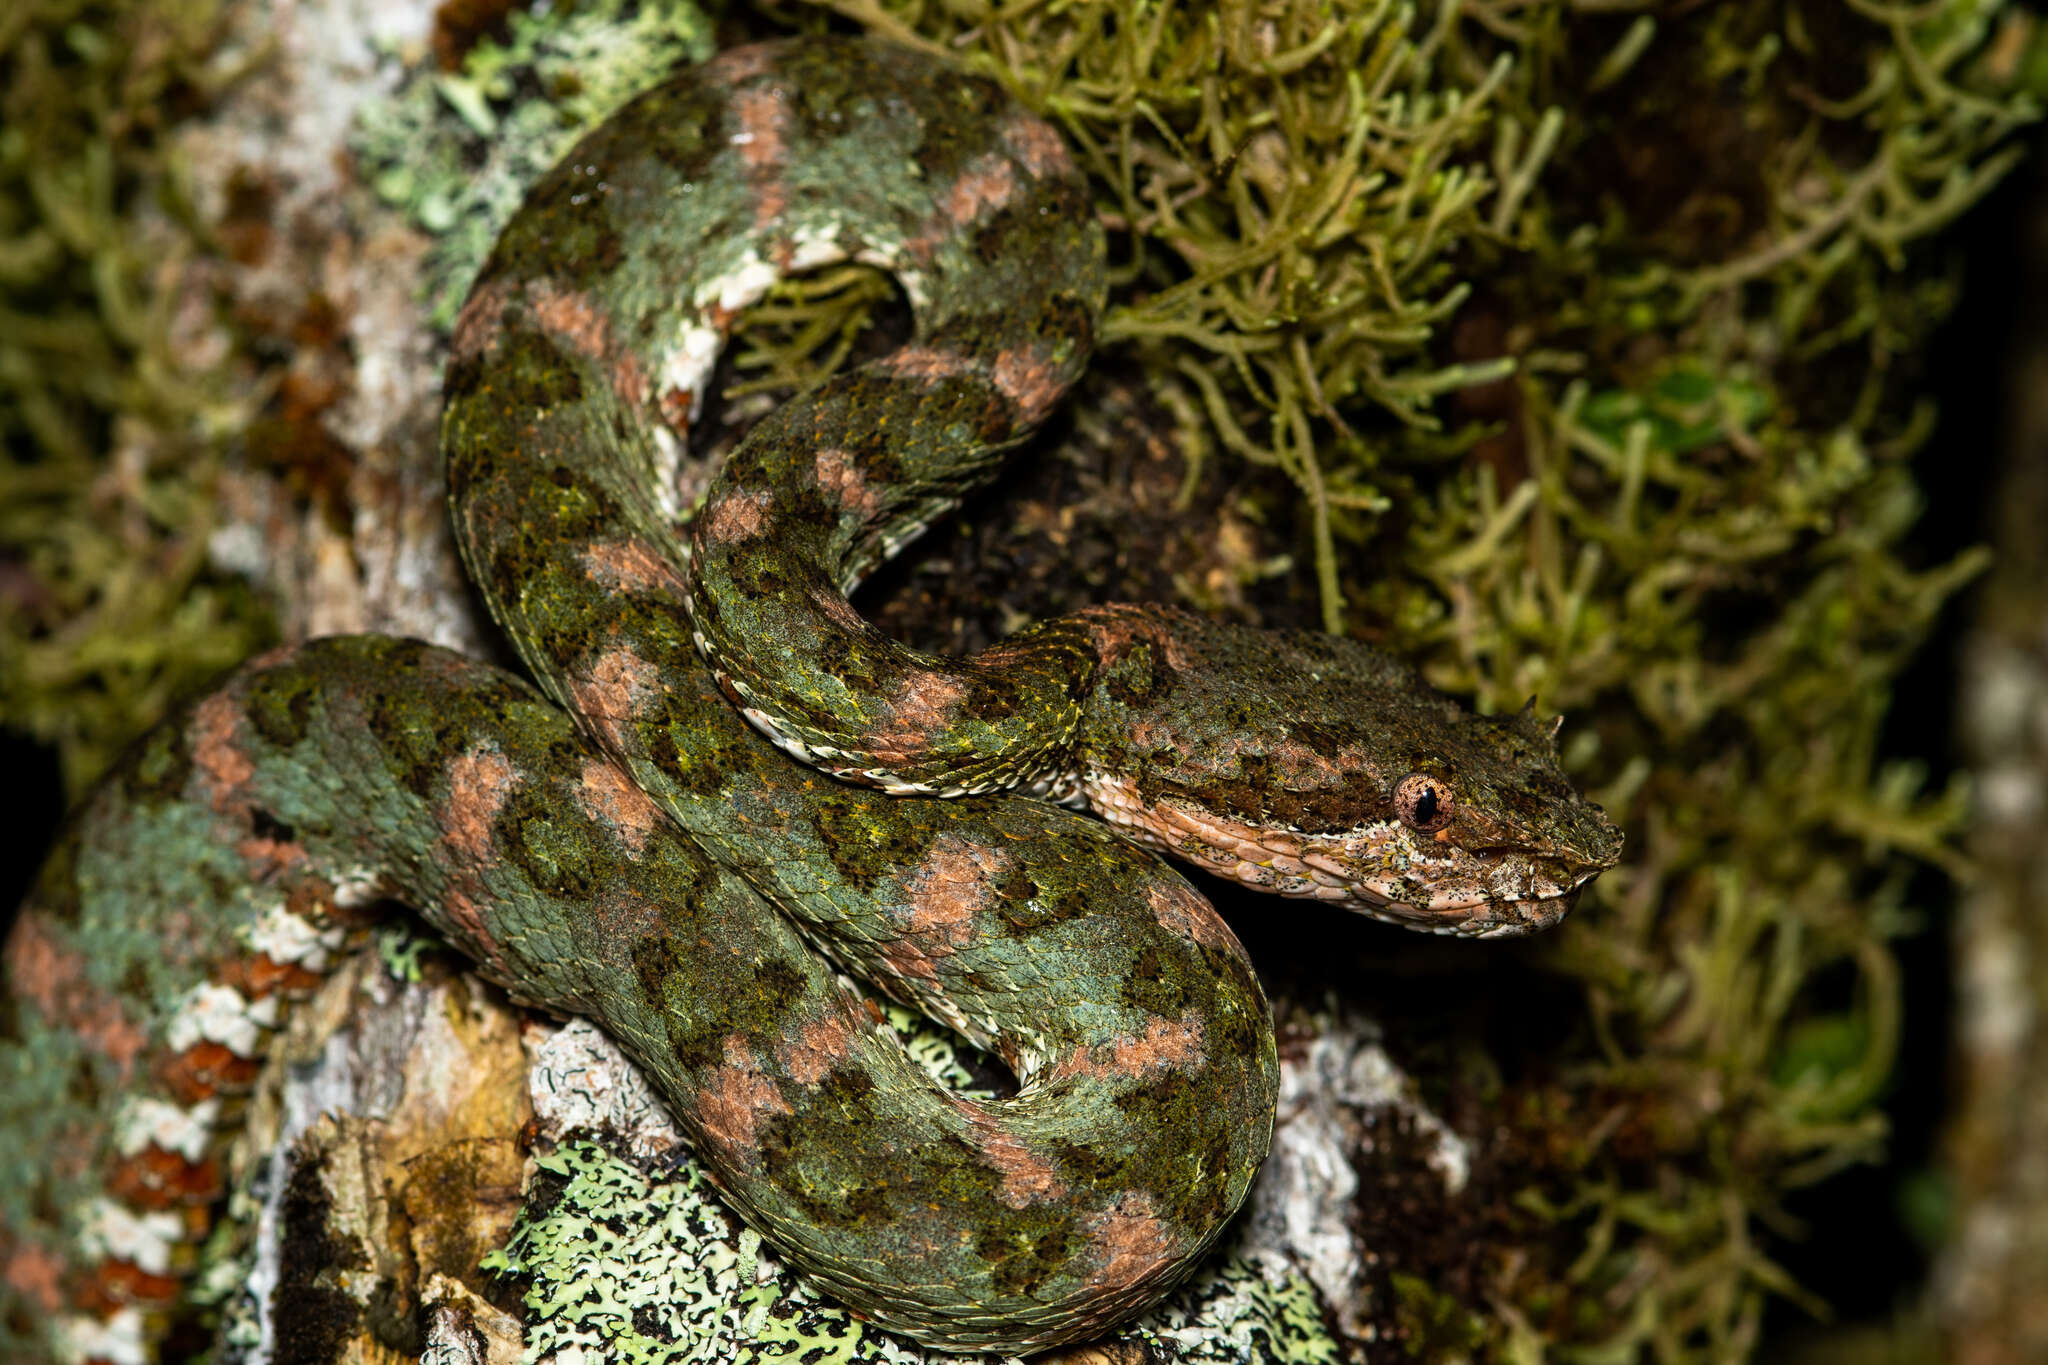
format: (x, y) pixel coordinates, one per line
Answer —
(623, 847)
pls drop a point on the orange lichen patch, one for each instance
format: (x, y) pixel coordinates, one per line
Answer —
(1033, 142)
(1032, 379)
(481, 321)
(1165, 1044)
(988, 185)
(117, 1284)
(570, 315)
(921, 706)
(632, 565)
(761, 113)
(36, 1274)
(1180, 909)
(838, 475)
(607, 795)
(610, 696)
(928, 363)
(818, 1047)
(1131, 1245)
(53, 978)
(156, 1179)
(737, 516)
(217, 753)
(736, 1098)
(478, 784)
(206, 1070)
(1028, 1178)
(258, 975)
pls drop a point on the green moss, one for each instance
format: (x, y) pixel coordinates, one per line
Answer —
(109, 441)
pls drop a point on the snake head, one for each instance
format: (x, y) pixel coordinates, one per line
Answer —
(1306, 765)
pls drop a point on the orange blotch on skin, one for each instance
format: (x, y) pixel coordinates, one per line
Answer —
(818, 1047)
(928, 363)
(761, 113)
(987, 185)
(481, 321)
(736, 1098)
(217, 752)
(570, 315)
(837, 474)
(1181, 910)
(632, 565)
(610, 696)
(1032, 379)
(736, 517)
(478, 784)
(609, 796)
(1028, 1178)
(1165, 1044)
(53, 978)
(36, 1274)
(1132, 1245)
(1037, 147)
(920, 707)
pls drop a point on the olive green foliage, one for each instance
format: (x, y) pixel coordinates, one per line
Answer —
(108, 442)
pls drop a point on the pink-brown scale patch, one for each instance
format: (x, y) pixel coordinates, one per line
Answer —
(1033, 142)
(481, 321)
(988, 185)
(265, 858)
(1166, 1044)
(1032, 379)
(479, 783)
(609, 796)
(53, 978)
(1028, 1178)
(928, 363)
(921, 707)
(762, 113)
(735, 1100)
(838, 610)
(632, 565)
(1181, 910)
(1131, 1244)
(36, 1274)
(218, 753)
(1119, 628)
(571, 315)
(609, 697)
(818, 1047)
(738, 64)
(838, 475)
(738, 516)
(947, 890)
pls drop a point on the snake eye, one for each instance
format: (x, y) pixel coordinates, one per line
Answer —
(1424, 803)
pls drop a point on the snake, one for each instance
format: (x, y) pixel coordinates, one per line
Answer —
(610, 837)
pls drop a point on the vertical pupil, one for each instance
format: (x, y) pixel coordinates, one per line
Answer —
(1425, 806)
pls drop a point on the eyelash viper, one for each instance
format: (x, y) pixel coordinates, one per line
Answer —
(610, 848)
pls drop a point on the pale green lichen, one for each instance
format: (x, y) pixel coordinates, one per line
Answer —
(455, 150)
